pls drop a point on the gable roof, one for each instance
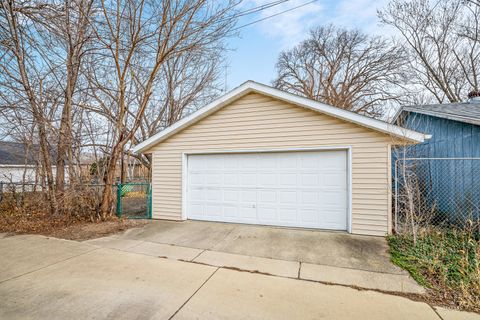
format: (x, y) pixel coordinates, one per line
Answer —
(13, 153)
(467, 112)
(255, 87)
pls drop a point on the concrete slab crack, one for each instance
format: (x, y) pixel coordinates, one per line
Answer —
(436, 312)
(198, 255)
(219, 242)
(180, 308)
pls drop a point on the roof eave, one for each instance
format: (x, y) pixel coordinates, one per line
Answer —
(251, 86)
(442, 115)
(195, 116)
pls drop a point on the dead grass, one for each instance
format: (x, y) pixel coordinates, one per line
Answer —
(78, 223)
(89, 230)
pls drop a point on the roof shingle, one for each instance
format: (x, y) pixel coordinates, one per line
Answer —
(468, 112)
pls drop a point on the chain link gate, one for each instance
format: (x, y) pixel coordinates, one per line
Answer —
(134, 200)
(443, 192)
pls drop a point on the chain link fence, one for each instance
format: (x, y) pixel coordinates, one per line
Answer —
(134, 200)
(131, 200)
(442, 192)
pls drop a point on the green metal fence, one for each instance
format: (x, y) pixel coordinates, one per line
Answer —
(134, 200)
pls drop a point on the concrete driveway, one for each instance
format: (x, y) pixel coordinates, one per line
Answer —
(47, 278)
(328, 257)
(337, 249)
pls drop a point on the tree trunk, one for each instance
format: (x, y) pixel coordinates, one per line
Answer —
(62, 150)
(105, 205)
(47, 163)
(64, 139)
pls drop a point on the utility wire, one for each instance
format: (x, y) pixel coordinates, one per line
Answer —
(273, 15)
(257, 9)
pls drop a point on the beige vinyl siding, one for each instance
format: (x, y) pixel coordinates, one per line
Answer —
(258, 122)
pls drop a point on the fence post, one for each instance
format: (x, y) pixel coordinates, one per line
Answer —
(396, 198)
(119, 200)
(1, 190)
(149, 201)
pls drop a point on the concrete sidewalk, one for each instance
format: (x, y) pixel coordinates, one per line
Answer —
(46, 278)
(327, 257)
(391, 282)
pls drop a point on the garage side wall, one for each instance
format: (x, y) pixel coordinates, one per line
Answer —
(257, 122)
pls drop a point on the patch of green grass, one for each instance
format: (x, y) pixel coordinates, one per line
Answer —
(448, 262)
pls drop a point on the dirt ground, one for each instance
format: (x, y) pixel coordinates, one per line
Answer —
(91, 230)
(65, 228)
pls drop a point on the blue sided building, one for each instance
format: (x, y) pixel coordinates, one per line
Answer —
(454, 184)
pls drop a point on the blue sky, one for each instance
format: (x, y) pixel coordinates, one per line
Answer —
(254, 53)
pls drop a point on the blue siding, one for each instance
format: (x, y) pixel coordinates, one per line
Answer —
(450, 182)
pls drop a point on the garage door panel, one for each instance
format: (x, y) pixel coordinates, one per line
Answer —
(248, 212)
(230, 211)
(249, 196)
(213, 195)
(267, 214)
(287, 179)
(288, 161)
(196, 179)
(267, 196)
(310, 198)
(331, 198)
(300, 189)
(230, 180)
(231, 196)
(309, 180)
(214, 210)
(196, 195)
(309, 161)
(267, 179)
(287, 197)
(334, 179)
(287, 215)
(249, 161)
(309, 215)
(196, 210)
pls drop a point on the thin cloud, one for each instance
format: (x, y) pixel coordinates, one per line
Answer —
(292, 27)
(289, 27)
(361, 14)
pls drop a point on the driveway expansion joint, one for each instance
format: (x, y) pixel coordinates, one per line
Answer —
(189, 298)
(198, 255)
(436, 312)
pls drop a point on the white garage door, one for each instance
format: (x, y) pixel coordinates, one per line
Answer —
(298, 189)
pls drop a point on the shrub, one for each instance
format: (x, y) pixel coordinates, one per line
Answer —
(446, 261)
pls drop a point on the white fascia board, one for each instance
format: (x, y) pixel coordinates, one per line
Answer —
(251, 86)
(396, 115)
(336, 112)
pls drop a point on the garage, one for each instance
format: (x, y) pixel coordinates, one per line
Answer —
(296, 189)
(259, 155)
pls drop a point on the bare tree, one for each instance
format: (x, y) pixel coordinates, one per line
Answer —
(48, 41)
(344, 68)
(137, 38)
(186, 82)
(441, 40)
(25, 77)
(73, 34)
